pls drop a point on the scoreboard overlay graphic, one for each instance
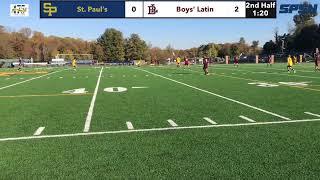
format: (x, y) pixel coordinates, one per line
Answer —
(158, 9)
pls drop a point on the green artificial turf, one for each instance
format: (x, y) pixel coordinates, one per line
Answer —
(229, 150)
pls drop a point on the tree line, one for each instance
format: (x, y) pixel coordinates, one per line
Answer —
(113, 46)
(116, 47)
(110, 46)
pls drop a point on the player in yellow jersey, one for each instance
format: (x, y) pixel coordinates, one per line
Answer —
(178, 61)
(74, 63)
(290, 64)
(295, 59)
(139, 63)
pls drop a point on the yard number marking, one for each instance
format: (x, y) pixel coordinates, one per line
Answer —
(115, 89)
(76, 91)
(295, 83)
(262, 84)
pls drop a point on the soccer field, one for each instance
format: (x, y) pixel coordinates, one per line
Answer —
(250, 122)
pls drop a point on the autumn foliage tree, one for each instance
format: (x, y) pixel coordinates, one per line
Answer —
(27, 44)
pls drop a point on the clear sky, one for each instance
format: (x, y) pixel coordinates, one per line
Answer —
(180, 33)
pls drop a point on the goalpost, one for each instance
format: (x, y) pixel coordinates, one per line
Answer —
(80, 58)
(69, 57)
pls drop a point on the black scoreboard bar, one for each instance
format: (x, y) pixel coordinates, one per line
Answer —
(157, 9)
(261, 9)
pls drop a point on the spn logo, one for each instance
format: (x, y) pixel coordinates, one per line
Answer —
(300, 8)
(19, 10)
(49, 9)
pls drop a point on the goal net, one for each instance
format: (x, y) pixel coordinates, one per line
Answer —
(80, 58)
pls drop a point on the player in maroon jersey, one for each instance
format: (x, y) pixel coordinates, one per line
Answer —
(236, 61)
(186, 62)
(317, 62)
(20, 64)
(205, 66)
(269, 63)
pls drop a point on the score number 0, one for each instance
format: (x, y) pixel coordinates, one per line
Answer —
(133, 9)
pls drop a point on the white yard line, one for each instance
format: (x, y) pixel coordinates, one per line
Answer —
(5, 87)
(156, 129)
(90, 112)
(209, 120)
(247, 119)
(38, 131)
(312, 114)
(217, 95)
(172, 123)
(129, 125)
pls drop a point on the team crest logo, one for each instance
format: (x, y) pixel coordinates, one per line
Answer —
(152, 9)
(49, 9)
(19, 10)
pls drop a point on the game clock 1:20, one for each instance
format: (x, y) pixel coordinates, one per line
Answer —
(261, 9)
(260, 13)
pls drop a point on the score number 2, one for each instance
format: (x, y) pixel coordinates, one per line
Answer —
(236, 9)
